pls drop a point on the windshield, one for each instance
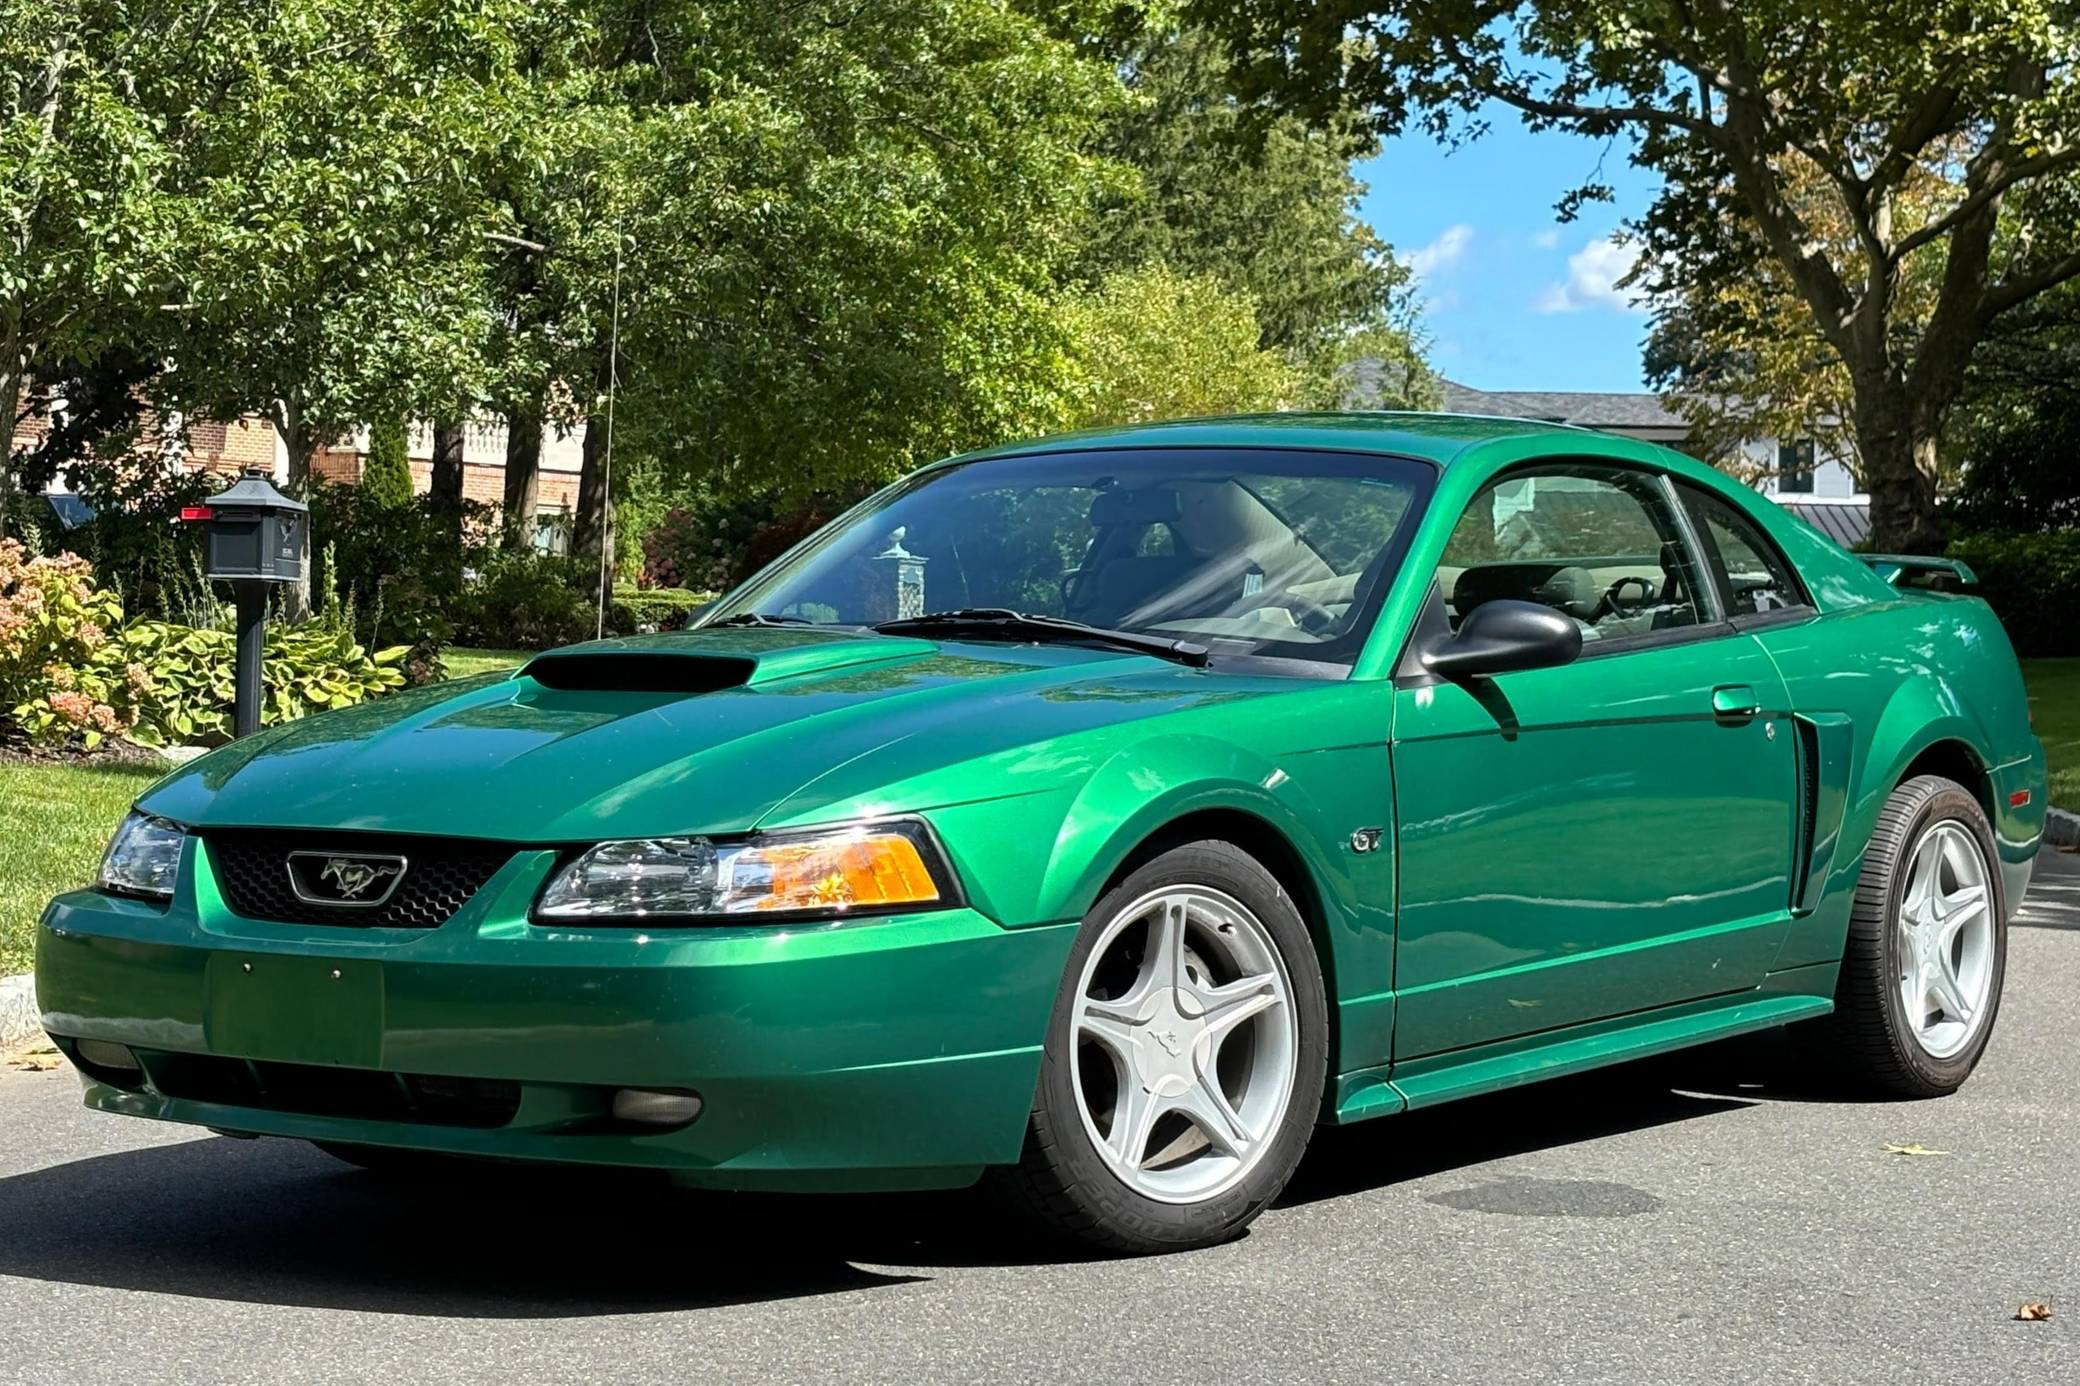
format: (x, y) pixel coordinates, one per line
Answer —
(1251, 553)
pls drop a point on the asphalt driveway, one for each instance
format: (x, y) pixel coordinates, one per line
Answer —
(1696, 1219)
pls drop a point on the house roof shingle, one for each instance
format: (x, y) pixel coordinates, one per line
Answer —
(1588, 409)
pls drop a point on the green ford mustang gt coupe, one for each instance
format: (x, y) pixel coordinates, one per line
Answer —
(1097, 816)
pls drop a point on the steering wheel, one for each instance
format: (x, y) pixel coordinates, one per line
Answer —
(1308, 614)
(1622, 603)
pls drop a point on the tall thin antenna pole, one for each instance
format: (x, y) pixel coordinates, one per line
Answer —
(606, 538)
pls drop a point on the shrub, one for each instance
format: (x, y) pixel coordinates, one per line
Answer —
(58, 680)
(182, 677)
(2032, 581)
(386, 477)
(524, 600)
(136, 543)
(655, 608)
(394, 568)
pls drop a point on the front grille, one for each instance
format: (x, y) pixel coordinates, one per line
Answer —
(313, 1090)
(441, 874)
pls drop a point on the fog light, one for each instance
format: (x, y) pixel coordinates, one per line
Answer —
(102, 1054)
(661, 1108)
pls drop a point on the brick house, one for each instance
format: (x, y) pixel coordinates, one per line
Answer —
(231, 448)
(483, 470)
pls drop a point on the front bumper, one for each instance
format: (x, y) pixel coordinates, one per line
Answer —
(894, 1052)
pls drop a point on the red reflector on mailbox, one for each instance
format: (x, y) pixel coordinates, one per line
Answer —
(196, 512)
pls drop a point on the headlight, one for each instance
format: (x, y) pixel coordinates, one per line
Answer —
(143, 857)
(861, 868)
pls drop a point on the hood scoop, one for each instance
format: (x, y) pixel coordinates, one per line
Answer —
(690, 664)
(631, 671)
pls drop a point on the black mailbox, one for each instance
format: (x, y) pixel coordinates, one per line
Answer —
(256, 534)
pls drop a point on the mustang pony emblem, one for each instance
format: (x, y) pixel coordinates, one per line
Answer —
(351, 877)
(342, 878)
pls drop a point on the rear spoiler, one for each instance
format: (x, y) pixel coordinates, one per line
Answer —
(1896, 568)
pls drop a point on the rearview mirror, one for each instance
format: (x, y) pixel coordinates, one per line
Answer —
(1502, 636)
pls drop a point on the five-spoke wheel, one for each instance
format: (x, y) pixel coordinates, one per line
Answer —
(1185, 1059)
(1185, 1043)
(1927, 946)
(1945, 939)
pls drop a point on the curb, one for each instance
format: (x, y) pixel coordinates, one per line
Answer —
(19, 1018)
(2061, 829)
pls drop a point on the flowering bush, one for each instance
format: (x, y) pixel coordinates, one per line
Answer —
(58, 680)
(72, 673)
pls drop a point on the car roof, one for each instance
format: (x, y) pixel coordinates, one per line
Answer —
(1434, 437)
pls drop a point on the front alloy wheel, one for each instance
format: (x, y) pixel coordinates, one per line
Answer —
(1185, 1043)
(1185, 1059)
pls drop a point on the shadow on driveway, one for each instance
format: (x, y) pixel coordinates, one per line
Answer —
(274, 1222)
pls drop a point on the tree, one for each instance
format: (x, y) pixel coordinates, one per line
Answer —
(837, 232)
(1722, 99)
(96, 99)
(386, 474)
(1152, 344)
(1269, 212)
(2018, 432)
(343, 276)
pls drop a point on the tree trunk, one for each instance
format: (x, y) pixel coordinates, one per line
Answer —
(445, 491)
(300, 443)
(523, 474)
(592, 528)
(10, 404)
(1897, 442)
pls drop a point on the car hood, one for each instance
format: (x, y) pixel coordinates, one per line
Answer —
(697, 732)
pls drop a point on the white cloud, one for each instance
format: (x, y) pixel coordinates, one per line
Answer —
(1442, 253)
(1593, 273)
(1547, 239)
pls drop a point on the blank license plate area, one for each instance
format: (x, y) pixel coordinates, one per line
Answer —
(297, 1010)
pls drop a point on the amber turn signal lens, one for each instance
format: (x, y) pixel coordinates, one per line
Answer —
(859, 870)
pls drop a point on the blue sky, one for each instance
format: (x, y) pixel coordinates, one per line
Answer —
(1513, 299)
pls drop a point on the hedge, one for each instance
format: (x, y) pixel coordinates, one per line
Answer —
(654, 608)
(2032, 581)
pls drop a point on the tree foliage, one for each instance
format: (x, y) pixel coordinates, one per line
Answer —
(1154, 344)
(1268, 211)
(801, 247)
(1725, 101)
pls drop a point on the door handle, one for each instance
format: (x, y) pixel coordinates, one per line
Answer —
(1733, 701)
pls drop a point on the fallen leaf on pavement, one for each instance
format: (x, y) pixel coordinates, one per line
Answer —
(2035, 1311)
(36, 1061)
(1916, 1149)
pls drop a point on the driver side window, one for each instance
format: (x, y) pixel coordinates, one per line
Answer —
(1599, 544)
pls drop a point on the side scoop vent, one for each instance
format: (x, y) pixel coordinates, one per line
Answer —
(633, 671)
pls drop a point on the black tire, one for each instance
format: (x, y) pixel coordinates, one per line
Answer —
(1065, 1184)
(1868, 1042)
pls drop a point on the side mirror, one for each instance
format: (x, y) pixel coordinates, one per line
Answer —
(1502, 636)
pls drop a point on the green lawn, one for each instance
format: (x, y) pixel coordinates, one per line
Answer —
(461, 662)
(2054, 705)
(54, 821)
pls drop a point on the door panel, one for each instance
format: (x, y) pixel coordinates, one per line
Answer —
(1581, 842)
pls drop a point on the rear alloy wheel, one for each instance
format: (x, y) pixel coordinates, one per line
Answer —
(1927, 948)
(1184, 1060)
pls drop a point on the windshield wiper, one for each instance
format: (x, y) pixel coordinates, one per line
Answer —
(760, 618)
(1003, 621)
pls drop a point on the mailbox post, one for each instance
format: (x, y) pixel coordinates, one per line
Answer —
(257, 537)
